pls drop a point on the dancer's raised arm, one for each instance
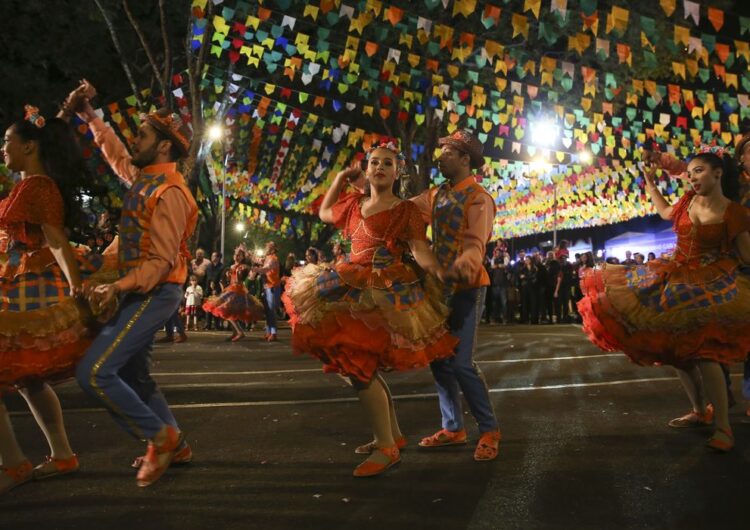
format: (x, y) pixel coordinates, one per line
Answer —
(663, 208)
(332, 195)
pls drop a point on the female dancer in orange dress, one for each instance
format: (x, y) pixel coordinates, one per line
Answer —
(692, 308)
(43, 329)
(235, 303)
(377, 311)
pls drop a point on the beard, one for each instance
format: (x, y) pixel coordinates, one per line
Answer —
(146, 157)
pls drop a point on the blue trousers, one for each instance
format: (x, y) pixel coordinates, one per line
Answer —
(273, 297)
(115, 368)
(460, 372)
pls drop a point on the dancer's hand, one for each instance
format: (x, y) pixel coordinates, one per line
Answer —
(351, 174)
(650, 157)
(104, 294)
(649, 173)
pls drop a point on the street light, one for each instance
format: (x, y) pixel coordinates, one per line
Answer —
(544, 132)
(240, 227)
(215, 133)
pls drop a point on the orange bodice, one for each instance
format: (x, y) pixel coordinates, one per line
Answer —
(34, 201)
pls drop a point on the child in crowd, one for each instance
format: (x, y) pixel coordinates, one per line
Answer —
(193, 302)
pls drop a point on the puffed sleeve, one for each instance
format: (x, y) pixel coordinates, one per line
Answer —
(344, 208)
(414, 226)
(34, 200)
(738, 220)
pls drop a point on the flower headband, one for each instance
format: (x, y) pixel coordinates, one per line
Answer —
(713, 149)
(33, 116)
(388, 145)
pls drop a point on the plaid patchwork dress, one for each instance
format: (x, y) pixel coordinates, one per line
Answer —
(377, 311)
(695, 305)
(43, 330)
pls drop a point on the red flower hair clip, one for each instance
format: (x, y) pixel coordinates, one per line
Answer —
(33, 116)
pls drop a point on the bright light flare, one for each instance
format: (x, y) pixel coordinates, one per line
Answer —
(585, 157)
(215, 132)
(259, 252)
(544, 133)
(240, 227)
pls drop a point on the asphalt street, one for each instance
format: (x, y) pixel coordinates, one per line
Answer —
(585, 445)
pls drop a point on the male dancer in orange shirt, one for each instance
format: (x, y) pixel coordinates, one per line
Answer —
(461, 214)
(159, 214)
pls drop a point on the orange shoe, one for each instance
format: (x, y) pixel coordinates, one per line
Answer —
(488, 446)
(182, 456)
(272, 338)
(381, 459)
(367, 448)
(152, 468)
(722, 441)
(18, 475)
(444, 437)
(52, 467)
(235, 338)
(694, 419)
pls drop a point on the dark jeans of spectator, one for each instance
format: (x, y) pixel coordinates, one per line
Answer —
(529, 305)
(549, 303)
(540, 312)
(562, 305)
(499, 301)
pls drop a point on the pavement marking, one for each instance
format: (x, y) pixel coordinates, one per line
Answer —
(353, 399)
(254, 372)
(545, 359)
(319, 370)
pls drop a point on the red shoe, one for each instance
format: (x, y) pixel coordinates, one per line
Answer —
(152, 468)
(722, 441)
(272, 338)
(18, 475)
(52, 467)
(367, 448)
(372, 467)
(488, 446)
(444, 437)
(694, 419)
(182, 456)
(235, 338)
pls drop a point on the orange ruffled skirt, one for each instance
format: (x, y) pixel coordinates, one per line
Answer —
(43, 331)
(668, 312)
(357, 321)
(235, 303)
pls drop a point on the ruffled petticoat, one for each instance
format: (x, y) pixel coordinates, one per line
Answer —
(235, 303)
(43, 331)
(357, 319)
(669, 312)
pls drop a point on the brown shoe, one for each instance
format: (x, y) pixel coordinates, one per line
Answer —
(182, 456)
(380, 460)
(52, 467)
(180, 338)
(18, 475)
(165, 339)
(153, 467)
(694, 419)
(444, 437)
(488, 446)
(368, 448)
